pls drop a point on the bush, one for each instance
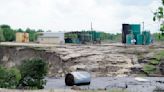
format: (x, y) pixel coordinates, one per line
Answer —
(33, 73)
(8, 33)
(2, 39)
(149, 69)
(9, 78)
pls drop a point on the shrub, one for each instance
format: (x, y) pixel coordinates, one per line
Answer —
(9, 78)
(33, 73)
(149, 69)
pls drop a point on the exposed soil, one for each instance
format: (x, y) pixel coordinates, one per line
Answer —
(100, 60)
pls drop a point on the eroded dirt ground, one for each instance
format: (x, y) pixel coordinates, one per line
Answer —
(101, 60)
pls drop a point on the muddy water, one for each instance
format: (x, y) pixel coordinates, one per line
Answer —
(124, 83)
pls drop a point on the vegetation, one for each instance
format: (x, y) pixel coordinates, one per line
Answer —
(30, 75)
(8, 34)
(32, 34)
(149, 69)
(157, 37)
(9, 78)
(155, 62)
(159, 15)
(33, 73)
(1, 36)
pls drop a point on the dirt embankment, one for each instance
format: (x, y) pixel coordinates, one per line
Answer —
(14, 56)
(100, 60)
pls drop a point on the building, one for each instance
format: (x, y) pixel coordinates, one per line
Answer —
(51, 38)
(22, 37)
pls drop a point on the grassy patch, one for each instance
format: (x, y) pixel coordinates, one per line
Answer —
(159, 55)
(149, 69)
(154, 62)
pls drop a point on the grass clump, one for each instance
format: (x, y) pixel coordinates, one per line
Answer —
(154, 62)
(159, 55)
(149, 69)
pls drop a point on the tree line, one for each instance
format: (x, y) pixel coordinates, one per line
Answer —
(9, 34)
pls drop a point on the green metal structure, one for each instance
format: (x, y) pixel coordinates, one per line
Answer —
(146, 37)
(135, 29)
(139, 39)
(128, 39)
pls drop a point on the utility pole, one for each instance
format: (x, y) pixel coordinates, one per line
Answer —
(91, 27)
(143, 25)
(91, 30)
(143, 30)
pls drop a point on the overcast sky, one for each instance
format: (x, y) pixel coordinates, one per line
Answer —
(68, 15)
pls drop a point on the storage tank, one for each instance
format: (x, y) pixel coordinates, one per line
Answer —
(146, 37)
(78, 78)
(139, 39)
(125, 31)
(22, 37)
(136, 29)
(128, 39)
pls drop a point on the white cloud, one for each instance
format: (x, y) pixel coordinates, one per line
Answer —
(60, 15)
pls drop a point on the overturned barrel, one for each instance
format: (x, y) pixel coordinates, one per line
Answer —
(78, 78)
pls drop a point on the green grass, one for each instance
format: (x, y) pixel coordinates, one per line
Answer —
(154, 62)
(149, 69)
(161, 53)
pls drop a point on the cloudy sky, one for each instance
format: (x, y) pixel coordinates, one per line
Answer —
(68, 15)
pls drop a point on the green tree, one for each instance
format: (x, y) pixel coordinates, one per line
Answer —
(5, 26)
(33, 73)
(158, 16)
(32, 34)
(9, 78)
(19, 30)
(8, 33)
(1, 36)
(40, 30)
